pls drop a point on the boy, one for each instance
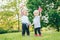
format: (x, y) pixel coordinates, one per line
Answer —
(25, 23)
(36, 22)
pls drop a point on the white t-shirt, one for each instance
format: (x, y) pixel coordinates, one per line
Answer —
(24, 19)
(36, 21)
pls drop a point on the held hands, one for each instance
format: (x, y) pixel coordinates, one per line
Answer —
(30, 25)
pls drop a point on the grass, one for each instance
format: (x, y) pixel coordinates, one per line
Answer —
(18, 36)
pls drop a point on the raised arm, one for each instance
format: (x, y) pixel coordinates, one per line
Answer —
(40, 14)
(40, 10)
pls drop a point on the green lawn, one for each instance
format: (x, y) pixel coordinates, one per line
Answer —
(18, 36)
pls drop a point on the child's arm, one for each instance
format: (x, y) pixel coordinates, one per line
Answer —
(29, 23)
(40, 14)
(40, 10)
(32, 24)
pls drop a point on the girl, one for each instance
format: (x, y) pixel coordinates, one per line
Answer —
(36, 22)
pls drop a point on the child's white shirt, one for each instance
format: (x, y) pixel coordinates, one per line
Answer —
(24, 19)
(36, 21)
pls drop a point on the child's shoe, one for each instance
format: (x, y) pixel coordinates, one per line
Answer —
(39, 35)
(36, 35)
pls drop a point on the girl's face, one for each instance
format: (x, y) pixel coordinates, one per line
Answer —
(36, 14)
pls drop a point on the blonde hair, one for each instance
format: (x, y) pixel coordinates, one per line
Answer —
(36, 11)
(24, 11)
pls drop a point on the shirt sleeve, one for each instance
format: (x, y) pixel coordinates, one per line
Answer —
(29, 22)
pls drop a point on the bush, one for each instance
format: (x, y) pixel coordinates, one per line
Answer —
(12, 31)
(2, 31)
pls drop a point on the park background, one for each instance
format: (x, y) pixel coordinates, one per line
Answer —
(10, 23)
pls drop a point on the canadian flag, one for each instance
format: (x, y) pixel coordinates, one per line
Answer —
(40, 9)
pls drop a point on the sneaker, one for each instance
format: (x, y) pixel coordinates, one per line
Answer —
(39, 35)
(36, 35)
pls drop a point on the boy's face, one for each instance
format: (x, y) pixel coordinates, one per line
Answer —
(25, 13)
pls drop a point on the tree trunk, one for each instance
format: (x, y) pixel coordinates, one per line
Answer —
(57, 28)
(18, 24)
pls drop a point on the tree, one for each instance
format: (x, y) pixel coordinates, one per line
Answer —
(54, 19)
(8, 14)
(48, 6)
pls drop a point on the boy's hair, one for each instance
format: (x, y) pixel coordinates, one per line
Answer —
(24, 10)
(36, 11)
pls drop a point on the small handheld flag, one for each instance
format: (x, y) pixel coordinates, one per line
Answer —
(40, 9)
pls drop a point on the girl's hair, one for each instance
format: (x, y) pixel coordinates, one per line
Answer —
(36, 11)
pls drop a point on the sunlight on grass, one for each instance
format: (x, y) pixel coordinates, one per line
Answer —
(18, 36)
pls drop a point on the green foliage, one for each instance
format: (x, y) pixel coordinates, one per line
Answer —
(49, 7)
(2, 31)
(54, 18)
(8, 19)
